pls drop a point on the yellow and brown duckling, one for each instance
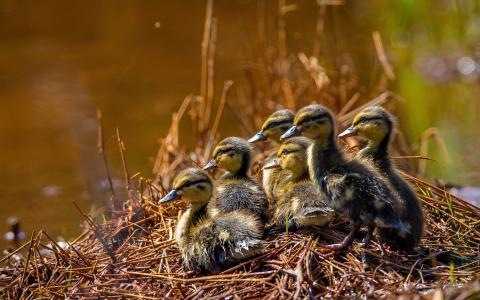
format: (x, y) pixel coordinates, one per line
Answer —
(300, 204)
(236, 190)
(352, 189)
(275, 125)
(211, 244)
(377, 126)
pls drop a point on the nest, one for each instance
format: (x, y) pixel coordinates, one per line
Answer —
(134, 254)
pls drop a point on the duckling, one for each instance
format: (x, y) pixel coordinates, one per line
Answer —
(377, 125)
(275, 125)
(236, 190)
(301, 204)
(352, 189)
(211, 244)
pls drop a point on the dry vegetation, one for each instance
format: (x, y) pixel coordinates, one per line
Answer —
(134, 255)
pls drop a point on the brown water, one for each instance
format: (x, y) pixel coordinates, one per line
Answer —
(136, 61)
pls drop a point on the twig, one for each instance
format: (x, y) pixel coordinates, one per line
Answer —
(128, 182)
(377, 42)
(97, 233)
(116, 206)
(204, 71)
(27, 262)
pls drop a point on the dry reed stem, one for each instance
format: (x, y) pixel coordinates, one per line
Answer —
(116, 205)
(382, 57)
(424, 145)
(211, 75)
(205, 55)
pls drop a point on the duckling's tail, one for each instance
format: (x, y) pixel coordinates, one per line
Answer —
(403, 231)
(398, 236)
(397, 239)
(396, 224)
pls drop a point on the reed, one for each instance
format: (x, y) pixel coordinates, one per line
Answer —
(134, 255)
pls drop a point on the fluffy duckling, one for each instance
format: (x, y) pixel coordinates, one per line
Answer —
(236, 190)
(210, 244)
(352, 189)
(377, 125)
(300, 203)
(275, 125)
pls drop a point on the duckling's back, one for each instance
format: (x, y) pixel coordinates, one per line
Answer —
(217, 243)
(359, 192)
(411, 214)
(240, 193)
(410, 210)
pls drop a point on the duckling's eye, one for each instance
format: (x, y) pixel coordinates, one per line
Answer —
(223, 151)
(187, 184)
(276, 124)
(365, 119)
(229, 153)
(286, 151)
(362, 119)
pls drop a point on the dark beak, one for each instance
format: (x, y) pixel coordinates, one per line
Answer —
(170, 196)
(210, 165)
(350, 131)
(271, 165)
(259, 137)
(293, 131)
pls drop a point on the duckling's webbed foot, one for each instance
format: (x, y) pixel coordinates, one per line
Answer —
(366, 243)
(347, 241)
(368, 238)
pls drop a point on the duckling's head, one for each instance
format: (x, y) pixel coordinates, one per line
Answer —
(314, 121)
(275, 125)
(191, 185)
(374, 123)
(232, 154)
(292, 156)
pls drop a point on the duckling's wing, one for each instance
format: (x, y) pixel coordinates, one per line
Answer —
(246, 194)
(239, 236)
(337, 189)
(307, 200)
(359, 195)
(217, 243)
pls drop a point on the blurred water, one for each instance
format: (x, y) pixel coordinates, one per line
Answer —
(136, 61)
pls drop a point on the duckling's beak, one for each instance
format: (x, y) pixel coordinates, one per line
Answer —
(210, 165)
(271, 164)
(293, 131)
(259, 137)
(350, 131)
(170, 196)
